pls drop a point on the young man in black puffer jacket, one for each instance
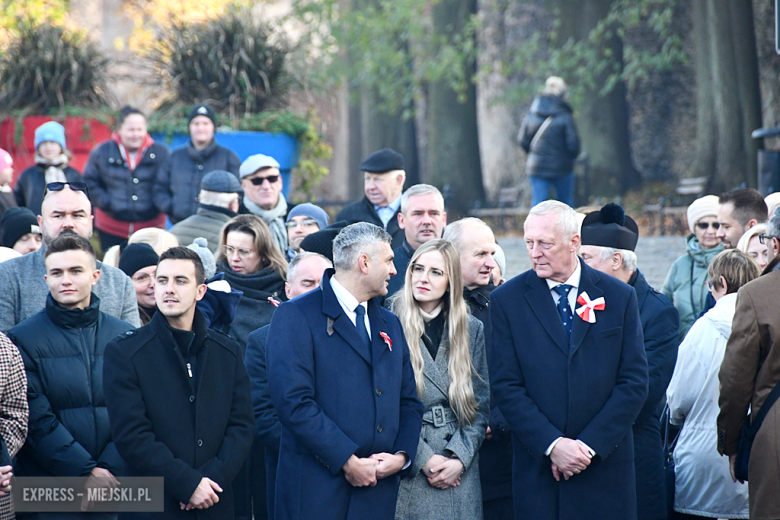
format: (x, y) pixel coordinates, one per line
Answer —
(62, 347)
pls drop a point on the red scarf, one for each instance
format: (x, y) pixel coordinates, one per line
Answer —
(132, 160)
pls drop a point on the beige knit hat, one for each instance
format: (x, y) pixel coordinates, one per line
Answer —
(706, 206)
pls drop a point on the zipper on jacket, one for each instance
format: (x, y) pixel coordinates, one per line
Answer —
(189, 370)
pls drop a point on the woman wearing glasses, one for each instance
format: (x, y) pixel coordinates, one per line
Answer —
(121, 174)
(447, 349)
(684, 284)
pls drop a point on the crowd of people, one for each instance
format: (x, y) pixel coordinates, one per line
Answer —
(270, 363)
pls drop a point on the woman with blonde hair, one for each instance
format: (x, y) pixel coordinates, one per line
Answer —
(750, 244)
(447, 350)
(159, 239)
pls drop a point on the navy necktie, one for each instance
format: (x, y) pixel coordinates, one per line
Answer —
(567, 318)
(360, 325)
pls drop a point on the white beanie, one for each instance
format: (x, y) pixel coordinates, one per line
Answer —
(706, 206)
(500, 259)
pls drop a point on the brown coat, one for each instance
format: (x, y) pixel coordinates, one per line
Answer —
(750, 369)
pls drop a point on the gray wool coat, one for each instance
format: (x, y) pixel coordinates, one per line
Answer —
(416, 498)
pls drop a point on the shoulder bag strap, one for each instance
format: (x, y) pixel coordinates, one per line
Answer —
(770, 400)
(539, 132)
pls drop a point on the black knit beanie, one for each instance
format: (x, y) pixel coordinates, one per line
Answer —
(16, 223)
(136, 257)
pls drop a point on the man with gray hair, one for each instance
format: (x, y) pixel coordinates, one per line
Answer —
(771, 238)
(609, 238)
(217, 204)
(568, 371)
(343, 387)
(422, 218)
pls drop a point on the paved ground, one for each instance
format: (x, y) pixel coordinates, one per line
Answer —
(656, 255)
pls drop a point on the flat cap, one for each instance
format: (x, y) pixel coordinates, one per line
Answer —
(383, 161)
(610, 227)
(256, 162)
(322, 241)
(220, 181)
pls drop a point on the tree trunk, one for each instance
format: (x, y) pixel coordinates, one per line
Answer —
(453, 152)
(706, 130)
(603, 121)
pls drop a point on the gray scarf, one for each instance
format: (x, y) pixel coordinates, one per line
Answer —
(273, 218)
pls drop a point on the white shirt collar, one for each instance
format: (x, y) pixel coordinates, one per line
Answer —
(393, 205)
(574, 279)
(345, 298)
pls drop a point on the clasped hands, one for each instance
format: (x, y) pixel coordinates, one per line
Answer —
(6, 472)
(367, 472)
(442, 472)
(569, 458)
(204, 496)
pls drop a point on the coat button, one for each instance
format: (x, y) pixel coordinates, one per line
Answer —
(151, 156)
(135, 197)
(110, 160)
(135, 180)
(379, 428)
(192, 398)
(378, 392)
(200, 166)
(127, 165)
(200, 442)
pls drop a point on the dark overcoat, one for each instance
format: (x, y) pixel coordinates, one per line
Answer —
(363, 211)
(660, 328)
(335, 398)
(166, 425)
(590, 388)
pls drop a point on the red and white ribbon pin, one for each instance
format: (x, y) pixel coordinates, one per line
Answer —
(586, 312)
(388, 341)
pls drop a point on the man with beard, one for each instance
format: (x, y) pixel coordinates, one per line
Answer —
(66, 210)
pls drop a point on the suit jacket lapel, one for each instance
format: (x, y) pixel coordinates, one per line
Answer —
(378, 324)
(433, 368)
(588, 282)
(541, 302)
(340, 321)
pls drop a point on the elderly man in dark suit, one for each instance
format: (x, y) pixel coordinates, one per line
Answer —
(569, 372)
(609, 237)
(344, 389)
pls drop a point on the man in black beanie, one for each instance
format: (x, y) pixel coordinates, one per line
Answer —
(176, 191)
(609, 238)
(139, 262)
(383, 184)
(19, 230)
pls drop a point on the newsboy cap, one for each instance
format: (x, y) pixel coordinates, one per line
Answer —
(220, 181)
(383, 161)
(256, 162)
(322, 241)
(610, 227)
(202, 110)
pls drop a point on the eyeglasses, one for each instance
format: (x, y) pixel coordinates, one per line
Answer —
(764, 238)
(435, 274)
(308, 223)
(59, 186)
(242, 253)
(257, 181)
(705, 225)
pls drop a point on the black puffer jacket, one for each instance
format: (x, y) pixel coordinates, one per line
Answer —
(69, 432)
(256, 306)
(29, 187)
(123, 195)
(558, 146)
(176, 191)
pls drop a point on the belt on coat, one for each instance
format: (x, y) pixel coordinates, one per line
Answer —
(439, 416)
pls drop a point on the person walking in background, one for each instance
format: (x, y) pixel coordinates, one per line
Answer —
(20, 231)
(751, 244)
(218, 202)
(62, 347)
(263, 184)
(447, 349)
(609, 238)
(422, 218)
(703, 484)
(685, 282)
(176, 189)
(121, 174)
(51, 165)
(302, 221)
(383, 183)
(549, 137)
(304, 274)
(139, 262)
(7, 198)
(343, 387)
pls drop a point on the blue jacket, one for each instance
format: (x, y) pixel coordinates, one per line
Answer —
(334, 399)
(591, 391)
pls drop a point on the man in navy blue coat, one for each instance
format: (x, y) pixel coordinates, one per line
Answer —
(344, 390)
(568, 371)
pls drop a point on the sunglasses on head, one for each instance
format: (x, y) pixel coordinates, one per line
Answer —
(257, 181)
(59, 186)
(705, 225)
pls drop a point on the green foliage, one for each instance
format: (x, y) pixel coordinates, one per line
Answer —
(47, 68)
(233, 62)
(589, 64)
(14, 13)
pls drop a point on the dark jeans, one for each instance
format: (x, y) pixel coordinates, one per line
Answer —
(564, 189)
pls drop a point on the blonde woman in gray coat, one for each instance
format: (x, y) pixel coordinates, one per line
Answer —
(447, 349)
